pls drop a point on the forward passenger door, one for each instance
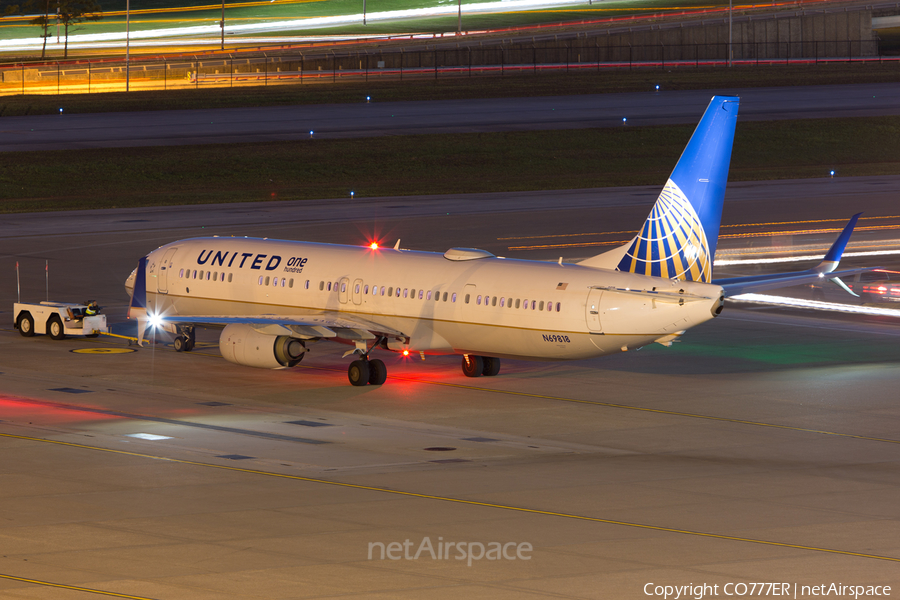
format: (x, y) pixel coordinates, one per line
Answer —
(162, 280)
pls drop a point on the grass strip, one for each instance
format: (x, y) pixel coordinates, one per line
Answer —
(520, 85)
(431, 164)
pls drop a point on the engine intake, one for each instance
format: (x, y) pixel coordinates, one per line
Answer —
(243, 345)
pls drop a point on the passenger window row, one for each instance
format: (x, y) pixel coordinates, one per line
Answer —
(525, 304)
(276, 282)
(486, 300)
(217, 276)
(390, 291)
(201, 274)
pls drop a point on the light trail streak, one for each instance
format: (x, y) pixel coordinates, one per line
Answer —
(87, 41)
(721, 237)
(804, 231)
(816, 305)
(633, 231)
(84, 40)
(176, 9)
(806, 257)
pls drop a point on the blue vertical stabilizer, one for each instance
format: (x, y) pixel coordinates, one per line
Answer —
(139, 293)
(137, 309)
(678, 239)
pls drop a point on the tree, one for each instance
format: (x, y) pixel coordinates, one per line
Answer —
(72, 12)
(31, 6)
(43, 21)
(9, 10)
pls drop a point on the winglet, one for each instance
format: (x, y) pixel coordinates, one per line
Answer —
(138, 307)
(833, 256)
(843, 286)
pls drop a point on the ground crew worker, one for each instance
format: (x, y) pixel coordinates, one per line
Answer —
(91, 309)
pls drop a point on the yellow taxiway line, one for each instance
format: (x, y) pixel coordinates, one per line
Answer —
(494, 505)
(76, 588)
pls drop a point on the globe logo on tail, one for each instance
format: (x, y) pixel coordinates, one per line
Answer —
(672, 243)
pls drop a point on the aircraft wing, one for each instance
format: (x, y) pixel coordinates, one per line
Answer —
(824, 270)
(744, 285)
(303, 326)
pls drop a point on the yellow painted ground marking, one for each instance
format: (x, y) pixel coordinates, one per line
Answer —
(103, 350)
(660, 411)
(121, 337)
(71, 587)
(507, 507)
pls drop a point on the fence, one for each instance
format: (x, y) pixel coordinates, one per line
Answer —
(317, 67)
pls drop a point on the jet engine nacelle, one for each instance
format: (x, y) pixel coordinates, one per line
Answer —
(243, 345)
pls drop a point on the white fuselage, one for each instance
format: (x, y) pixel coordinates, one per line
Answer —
(484, 306)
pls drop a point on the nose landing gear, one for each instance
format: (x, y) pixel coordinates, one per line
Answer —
(185, 340)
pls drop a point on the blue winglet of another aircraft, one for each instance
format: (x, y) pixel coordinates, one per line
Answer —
(837, 249)
(824, 270)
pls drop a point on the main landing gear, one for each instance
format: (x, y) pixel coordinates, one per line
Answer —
(184, 341)
(364, 371)
(476, 366)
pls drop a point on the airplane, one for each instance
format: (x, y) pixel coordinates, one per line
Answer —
(277, 298)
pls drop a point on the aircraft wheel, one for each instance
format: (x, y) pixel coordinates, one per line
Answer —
(26, 324)
(180, 342)
(55, 328)
(377, 372)
(358, 373)
(473, 366)
(491, 366)
(190, 340)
